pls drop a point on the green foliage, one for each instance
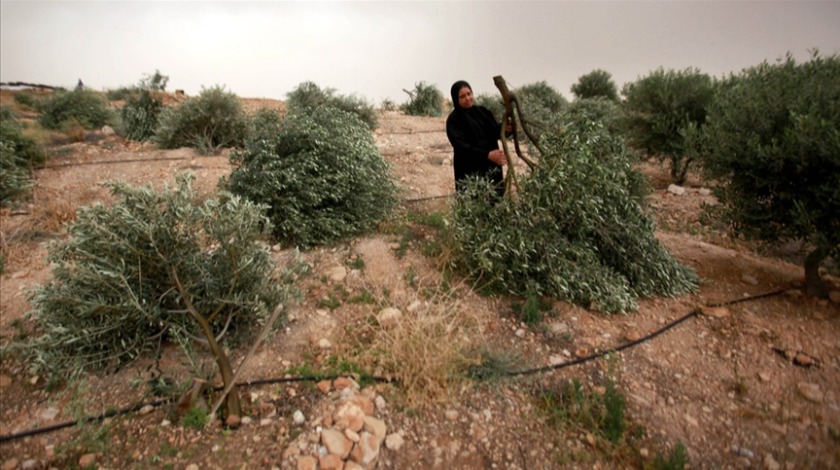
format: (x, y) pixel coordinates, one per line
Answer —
(658, 110)
(772, 144)
(677, 459)
(121, 93)
(595, 109)
(493, 103)
(113, 294)
(195, 418)
(155, 81)
(18, 156)
(596, 84)
(320, 174)
(577, 229)
(84, 106)
(426, 100)
(207, 122)
(578, 409)
(27, 100)
(308, 97)
(542, 105)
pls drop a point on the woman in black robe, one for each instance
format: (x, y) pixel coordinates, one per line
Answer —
(474, 134)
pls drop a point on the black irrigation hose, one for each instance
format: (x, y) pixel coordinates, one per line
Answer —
(650, 336)
(314, 378)
(108, 162)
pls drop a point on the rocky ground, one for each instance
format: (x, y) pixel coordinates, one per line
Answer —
(750, 384)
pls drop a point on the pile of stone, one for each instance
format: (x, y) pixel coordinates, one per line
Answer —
(347, 435)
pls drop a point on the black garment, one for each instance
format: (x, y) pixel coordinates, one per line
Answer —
(473, 133)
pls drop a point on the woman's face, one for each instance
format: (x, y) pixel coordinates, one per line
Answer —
(465, 97)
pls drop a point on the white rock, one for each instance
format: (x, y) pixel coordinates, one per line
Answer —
(676, 190)
(324, 343)
(337, 273)
(298, 418)
(51, 412)
(394, 441)
(388, 317)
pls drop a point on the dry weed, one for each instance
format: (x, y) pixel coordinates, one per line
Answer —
(426, 349)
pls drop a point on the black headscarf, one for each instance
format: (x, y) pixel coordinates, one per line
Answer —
(455, 91)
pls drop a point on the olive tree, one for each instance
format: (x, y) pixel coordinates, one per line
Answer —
(152, 265)
(319, 173)
(577, 229)
(660, 108)
(772, 145)
(596, 84)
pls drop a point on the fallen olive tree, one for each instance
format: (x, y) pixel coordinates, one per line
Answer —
(154, 265)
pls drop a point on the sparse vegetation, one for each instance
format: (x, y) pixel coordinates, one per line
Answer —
(142, 108)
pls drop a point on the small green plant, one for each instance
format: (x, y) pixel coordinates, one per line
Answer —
(357, 263)
(19, 156)
(27, 100)
(677, 459)
(363, 297)
(195, 418)
(531, 310)
(425, 100)
(579, 409)
(493, 365)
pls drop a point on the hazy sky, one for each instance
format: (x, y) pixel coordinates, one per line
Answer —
(376, 49)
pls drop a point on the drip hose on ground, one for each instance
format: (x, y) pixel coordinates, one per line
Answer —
(318, 378)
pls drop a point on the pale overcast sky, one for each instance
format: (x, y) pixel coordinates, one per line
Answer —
(376, 49)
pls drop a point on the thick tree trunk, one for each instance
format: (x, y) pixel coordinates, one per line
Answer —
(814, 284)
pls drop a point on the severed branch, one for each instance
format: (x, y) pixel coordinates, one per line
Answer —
(509, 100)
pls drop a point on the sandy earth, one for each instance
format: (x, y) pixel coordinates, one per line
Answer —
(717, 384)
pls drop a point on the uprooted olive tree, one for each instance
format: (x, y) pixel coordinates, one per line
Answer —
(319, 173)
(574, 228)
(151, 266)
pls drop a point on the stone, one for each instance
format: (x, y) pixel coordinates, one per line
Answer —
(558, 328)
(351, 465)
(375, 426)
(30, 464)
(770, 463)
(50, 413)
(368, 448)
(337, 273)
(336, 443)
(811, 392)
(764, 376)
(324, 343)
(394, 441)
(10, 464)
(364, 403)
(691, 420)
(716, 312)
(704, 191)
(307, 462)
(345, 382)
(350, 416)
(5, 380)
(233, 421)
(676, 190)
(352, 435)
(87, 460)
(749, 280)
(192, 466)
(108, 130)
(298, 418)
(324, 386)
(380, 403)
(388, 317)
(331, 462)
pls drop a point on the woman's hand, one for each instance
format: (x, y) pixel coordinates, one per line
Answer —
(498, 157)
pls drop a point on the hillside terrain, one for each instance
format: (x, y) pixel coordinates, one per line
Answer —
(754, 383)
